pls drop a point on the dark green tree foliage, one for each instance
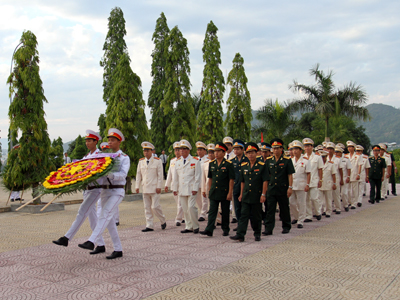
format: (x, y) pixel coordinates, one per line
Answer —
(13, 174)
(209, 119)
(125, 111)
(159, 121)
(80, 149)
(56, 153)
(102, 126)
(27, 115)
(13, 138)
(239, 116)
(177, 101)
(114, 47)
(196, 101)
(71, 147)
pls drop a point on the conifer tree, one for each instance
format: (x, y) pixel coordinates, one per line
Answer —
(80, 149)
(125, 111)
(177, 101)
(102, 125)
(56, 153)
(159, 122)
(27, 116)
(114, 47)
(239, 116)
(209, 119)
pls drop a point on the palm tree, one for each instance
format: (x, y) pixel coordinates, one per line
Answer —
(327, 101)
(276, 121)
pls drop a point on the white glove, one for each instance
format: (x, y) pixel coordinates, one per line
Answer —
(110, 176)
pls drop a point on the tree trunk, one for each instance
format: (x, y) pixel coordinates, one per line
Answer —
(35, 193)
(128, 186)
(326, 129)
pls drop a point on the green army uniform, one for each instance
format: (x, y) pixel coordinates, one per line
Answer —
(260, 158)
(236, 188)
(220, 176)
(253, 178)
(277, 191)
(375, 177)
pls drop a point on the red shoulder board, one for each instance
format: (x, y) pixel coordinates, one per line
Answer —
(156, 158)
(141, 158)
(195, 158)
(330, 162)
(305, 157)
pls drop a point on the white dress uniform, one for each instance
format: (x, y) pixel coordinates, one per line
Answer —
(149, 176)
(229, 156)
(110, 199)
(202, 202)
(15, 195)
(328, 170)
(363, 176)
(356, 162)
(344, 189)
(187, 176)
(340, 165)
(88, 208)
(312, 200)
(385, 182)
(298, 198)
(169, 183)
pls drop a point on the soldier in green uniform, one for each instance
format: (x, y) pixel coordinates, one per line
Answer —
(238, 148)
(254, 184)
(221, 176)
(376, 174)
(280, 169)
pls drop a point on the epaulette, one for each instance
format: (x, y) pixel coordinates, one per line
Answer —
(244, 163)
(305, 157)
(258, 156)
(141, 158)
(179, 158)
(287, 157)
(365, 155)
(371, 156)
(330, 162)
(269, 157)
(229, 161)
(156, 158)
(212, 160)
(261, 163)
(195, 158)
(123, 154)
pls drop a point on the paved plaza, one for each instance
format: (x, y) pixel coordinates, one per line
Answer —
(354, 255)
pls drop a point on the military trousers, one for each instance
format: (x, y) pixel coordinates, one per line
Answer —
(212, 214)
(344, 192)
(326, 197)
(393, 181)
(375, 191)
(252, 212)
(385, 186)
(353, 193)
(179, 210)
(202, 204)
(190, 211)
(152, 205)
(361, 190)
(238, 206)
(284, 212)
(99, 211)
(313, 202)
(298, 205)
(336, 197)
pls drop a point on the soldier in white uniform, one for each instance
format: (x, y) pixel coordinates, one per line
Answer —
(111, 196)
(328, 182)
(344, 184)
(149, 176)
(301, 184)
(202, 202)
(388, 173)
(88, 207)
(169, 183)
(339, 165)
(187, 176)
(356, 164)
(229, 155)
(364, 173)
(316, 166)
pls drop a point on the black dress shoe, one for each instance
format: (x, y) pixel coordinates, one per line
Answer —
(394, 194)
(346, 208)
(147, 229)
(87, 245)
(328, 216)
(234, 220)
(338, 212)
(235, 229)
(372, 202)
(294, 222)
(201, 219)
(318, 217)
(334, 210)
(324, 213)
(257, 238)
(299, 226)
(226, 233)
(186, 231)
(196, 231)
(219, 224)
(377, 201)
(163, 226)
(62, 241)
(12, 200)
(114, 255)
(307, 220)
(359, 204)
(183, 222)
(285, 230)
(364, 195)
(99, 249)
(267, 233)
(178, 224)
(352, 207)
(237, 238)
(204, 232)
(314, 216)
(117, 224)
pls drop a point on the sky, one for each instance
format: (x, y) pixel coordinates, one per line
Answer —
(280, 41)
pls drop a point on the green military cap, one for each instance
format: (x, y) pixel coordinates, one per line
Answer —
(238, 143)
(376, 147)
(276, 143)
(220, 146)
(265, 146)
(250, 146)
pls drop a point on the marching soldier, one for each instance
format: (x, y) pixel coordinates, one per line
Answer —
(356, 165)
(339, 164)
(316, 165)
(169, 183)
(376, 174)
(265, 151)
(111, 196)
(150, 176)
(187, 176)
(301, 184)
(280, 187)
(202, 202)
(221, 176)
(238, 148)
(229, 155)
(363, 175)
(388, 161)
(345, 179)
(204, 171)
(254, 184)
(328, 182)
(393, 174)
(88, 207)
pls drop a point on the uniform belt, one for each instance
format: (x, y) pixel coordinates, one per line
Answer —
(93, 187)
(107, 187)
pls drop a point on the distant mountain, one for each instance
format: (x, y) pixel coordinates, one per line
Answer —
(385, 124)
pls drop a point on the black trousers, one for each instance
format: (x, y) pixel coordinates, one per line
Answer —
(393, 181)
(165, 175)
(238, 206)
(212, 214)
(252, 212)
(284, 212)
(375, 191)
